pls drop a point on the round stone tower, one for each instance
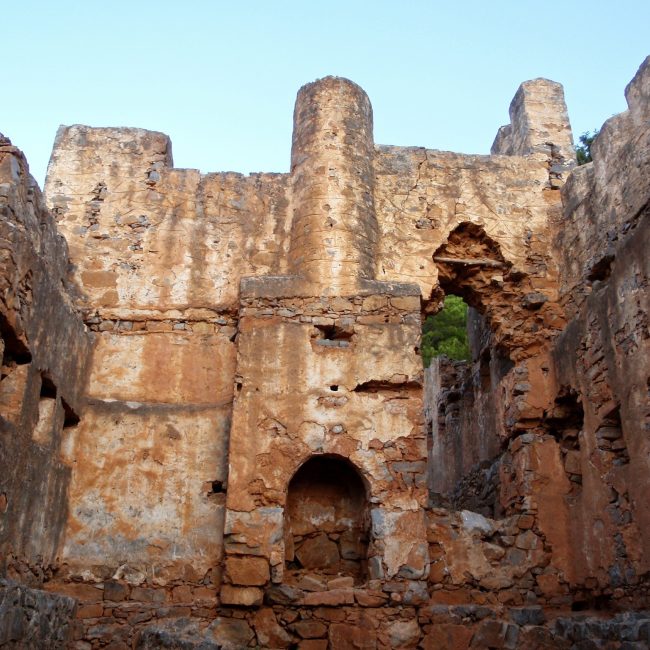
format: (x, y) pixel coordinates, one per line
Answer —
(334, 230)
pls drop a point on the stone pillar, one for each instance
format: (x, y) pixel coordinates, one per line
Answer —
(538, 119)
(539, 128)
(334, 231)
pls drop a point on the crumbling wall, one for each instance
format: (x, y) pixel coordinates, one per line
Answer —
(602, 356)
(34, 619)
(45, 351)
(362, 402)
(245, 326)
(463, 403)
(159, 253)
(478, 226)
(573, 417)
(498, 257)
(148, 239)
(327, 364)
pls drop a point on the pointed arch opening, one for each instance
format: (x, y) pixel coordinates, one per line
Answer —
(470, 265)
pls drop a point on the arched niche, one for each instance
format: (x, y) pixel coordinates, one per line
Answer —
(327, 520)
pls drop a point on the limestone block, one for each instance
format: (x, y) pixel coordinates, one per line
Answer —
(317, 552)
(331, 598)
(346, 637)
(247, 570)
(310, 629)
(241, 596)
(404, 634)
(269, 633)
(402, 533)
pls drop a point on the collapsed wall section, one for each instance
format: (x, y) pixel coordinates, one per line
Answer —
(575, 465)
(489, 221)
(480, 227)
(463, 413)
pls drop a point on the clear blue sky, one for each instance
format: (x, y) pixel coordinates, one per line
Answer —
(221, 77)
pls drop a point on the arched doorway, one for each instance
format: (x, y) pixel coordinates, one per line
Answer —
(326, 520)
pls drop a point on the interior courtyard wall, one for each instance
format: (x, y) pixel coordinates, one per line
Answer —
(223, 360)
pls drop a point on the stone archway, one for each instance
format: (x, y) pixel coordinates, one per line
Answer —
(470, 264)
(326, 520)
(517, 307)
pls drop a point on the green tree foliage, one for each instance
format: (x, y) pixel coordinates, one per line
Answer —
(446, 332)
(583, 150)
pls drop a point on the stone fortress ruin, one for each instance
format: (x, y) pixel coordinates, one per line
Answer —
(216, 428)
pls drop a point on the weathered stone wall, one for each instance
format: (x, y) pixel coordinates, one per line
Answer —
(34, 619)
(430, 628)
(45, 350)
(159, 253)
(351, 358)
(334, 228)
(250, 330)
(602, 356)
(361, 402)
(487, 224)
(539, 127)
(577, 458)
(114, 614)
(153, 241)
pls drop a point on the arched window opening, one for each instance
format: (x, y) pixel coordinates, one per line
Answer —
(470, 264)
(326, 521)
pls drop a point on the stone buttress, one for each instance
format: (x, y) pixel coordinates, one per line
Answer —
(327, 367)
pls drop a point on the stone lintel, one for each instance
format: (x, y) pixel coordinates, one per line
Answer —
(287, 286)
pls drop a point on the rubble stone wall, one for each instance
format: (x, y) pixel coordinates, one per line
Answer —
(45, 352)
(35, 619)
(261, 456)
(573, 422)
(603, 353)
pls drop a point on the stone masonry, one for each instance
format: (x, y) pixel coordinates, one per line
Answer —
(216, 430)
